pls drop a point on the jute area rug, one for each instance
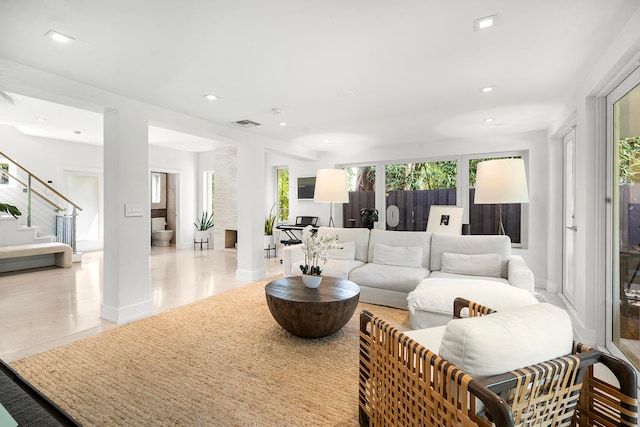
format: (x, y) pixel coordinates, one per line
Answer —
(222, 361)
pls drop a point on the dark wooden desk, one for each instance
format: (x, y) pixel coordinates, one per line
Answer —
(312, 313)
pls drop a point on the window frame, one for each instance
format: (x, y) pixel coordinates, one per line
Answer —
(462, 184)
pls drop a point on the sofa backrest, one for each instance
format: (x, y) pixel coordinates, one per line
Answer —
(401, 239)
(358, 235)
(469, 245)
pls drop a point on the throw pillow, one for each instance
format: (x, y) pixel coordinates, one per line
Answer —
(401, 256)
(345, 251)
(520, 337)
(489, 265)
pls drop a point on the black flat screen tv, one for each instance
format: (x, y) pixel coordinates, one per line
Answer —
(306, 187)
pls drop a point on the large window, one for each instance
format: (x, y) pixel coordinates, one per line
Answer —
(485, 219)
(411, 189)
(283, 195)
(408, 190)
(362, 186)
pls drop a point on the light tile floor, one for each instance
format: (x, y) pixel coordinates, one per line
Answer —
(45, 308)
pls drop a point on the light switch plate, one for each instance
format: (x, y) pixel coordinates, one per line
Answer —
(132, 209)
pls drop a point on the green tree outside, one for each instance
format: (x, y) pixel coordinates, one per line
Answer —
(421, 176)
(629, 161)
(283, 194)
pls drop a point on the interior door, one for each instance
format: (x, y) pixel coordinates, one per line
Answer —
(568, 223)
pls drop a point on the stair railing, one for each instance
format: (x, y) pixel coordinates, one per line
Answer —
(31, 191)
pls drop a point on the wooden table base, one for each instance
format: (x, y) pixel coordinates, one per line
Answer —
(312, 313)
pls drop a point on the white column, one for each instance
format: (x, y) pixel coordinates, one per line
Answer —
(251, 212)
(126, 294)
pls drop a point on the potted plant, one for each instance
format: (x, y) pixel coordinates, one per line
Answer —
(10, 209)
(202, 227)
(268, 228)
(315, 249)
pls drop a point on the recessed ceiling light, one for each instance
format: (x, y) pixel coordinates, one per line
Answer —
(276, 110)
(282, 124)
(489, 120)
(59, 37)
(347, 93)
(484, 23)
(326, 140)
(41, 119)
(487, 89)
(211, 97)
(77, 132)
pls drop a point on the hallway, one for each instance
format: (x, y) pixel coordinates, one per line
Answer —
(50, 307)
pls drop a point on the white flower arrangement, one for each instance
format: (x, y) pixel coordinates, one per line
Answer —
(316, 249)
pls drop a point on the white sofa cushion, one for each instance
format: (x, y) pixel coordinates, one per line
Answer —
(333, 268)
(443, 275)
(345, 251)
(402, 279)
(428, 337)
(507, 340)
(401, 256)
(437, 295)
(402, 239)
(469, 245)
(488, 265)
(360, 236)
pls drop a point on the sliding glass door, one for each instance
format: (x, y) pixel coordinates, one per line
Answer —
(624, 133)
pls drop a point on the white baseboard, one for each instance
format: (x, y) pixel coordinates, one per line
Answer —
(127, 314)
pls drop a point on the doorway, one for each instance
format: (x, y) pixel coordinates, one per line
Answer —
(623, 133)
(86, 190)
(568, 224)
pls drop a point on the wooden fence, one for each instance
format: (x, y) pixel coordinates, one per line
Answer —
(414, 211)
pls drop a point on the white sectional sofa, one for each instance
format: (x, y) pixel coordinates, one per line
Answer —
(424, 272)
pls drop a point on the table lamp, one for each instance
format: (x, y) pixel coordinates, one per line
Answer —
(331, 187)
(501, 181)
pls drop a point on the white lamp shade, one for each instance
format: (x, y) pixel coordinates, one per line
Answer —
(501, 181)
(331, 186)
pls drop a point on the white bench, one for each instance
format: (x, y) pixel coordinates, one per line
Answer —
(63, 253)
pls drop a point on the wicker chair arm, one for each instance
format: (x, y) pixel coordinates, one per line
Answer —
(475, 309)
(388, 356)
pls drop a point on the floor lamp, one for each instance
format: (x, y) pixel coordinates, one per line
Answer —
(501, 181)
(331, 187)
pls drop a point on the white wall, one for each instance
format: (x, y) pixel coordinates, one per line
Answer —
(535, 143)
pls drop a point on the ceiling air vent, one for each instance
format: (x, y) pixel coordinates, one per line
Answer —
(245, 123)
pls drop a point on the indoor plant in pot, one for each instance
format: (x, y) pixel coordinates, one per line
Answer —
(315, 249)
(268, 228)
(202, 227)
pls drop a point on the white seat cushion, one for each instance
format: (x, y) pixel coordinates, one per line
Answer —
(403, 279)
(443, 275)
(437, 295)
(507, 340)
(428, 337)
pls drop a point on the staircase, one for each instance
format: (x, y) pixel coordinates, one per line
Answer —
(22, 243)
(13, 233)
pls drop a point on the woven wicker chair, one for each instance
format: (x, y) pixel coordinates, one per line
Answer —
(404, 384)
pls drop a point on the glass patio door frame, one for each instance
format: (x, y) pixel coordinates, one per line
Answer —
(612, 288)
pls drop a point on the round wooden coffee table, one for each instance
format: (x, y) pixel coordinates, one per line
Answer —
(312, 313)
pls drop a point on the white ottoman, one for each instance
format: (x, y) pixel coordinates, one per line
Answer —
(431, 303)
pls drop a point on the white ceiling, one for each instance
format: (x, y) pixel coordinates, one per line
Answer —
(414, 68)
